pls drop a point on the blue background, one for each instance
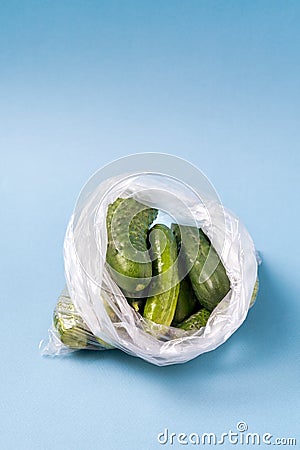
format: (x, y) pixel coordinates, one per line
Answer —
(85, 82)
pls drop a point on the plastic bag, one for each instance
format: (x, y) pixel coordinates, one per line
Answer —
(108, 320)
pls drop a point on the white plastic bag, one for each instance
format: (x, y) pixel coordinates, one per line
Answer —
(100, 302)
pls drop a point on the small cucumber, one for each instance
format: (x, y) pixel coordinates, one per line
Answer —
(196, 321)
(187, 302)
(72, 330)
(70, 327)
(254, 293)
(160, 307)
(216, 285)
(127, 256)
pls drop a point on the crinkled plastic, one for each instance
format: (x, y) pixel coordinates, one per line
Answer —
(109, 319)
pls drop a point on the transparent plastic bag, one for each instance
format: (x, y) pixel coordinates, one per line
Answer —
(108, 320)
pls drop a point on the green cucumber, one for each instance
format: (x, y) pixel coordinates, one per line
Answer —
(216, 285)
(160, 307)
(72, 330)
(187, 302)
(254, 293)
(195, 321)
(127, 256)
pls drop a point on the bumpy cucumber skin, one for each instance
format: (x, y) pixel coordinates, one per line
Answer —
(217, 285)
(132, 276)
(160, 308)
(196, 321)
(187, 302)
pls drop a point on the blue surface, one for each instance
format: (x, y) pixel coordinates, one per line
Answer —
(82, 83)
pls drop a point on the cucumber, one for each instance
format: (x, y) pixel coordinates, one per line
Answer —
(160, 307)
(211, 291)
(71, 328)
(127, 256)
(254, 293)
(69, 325)
(196, 321)
(187, 302)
